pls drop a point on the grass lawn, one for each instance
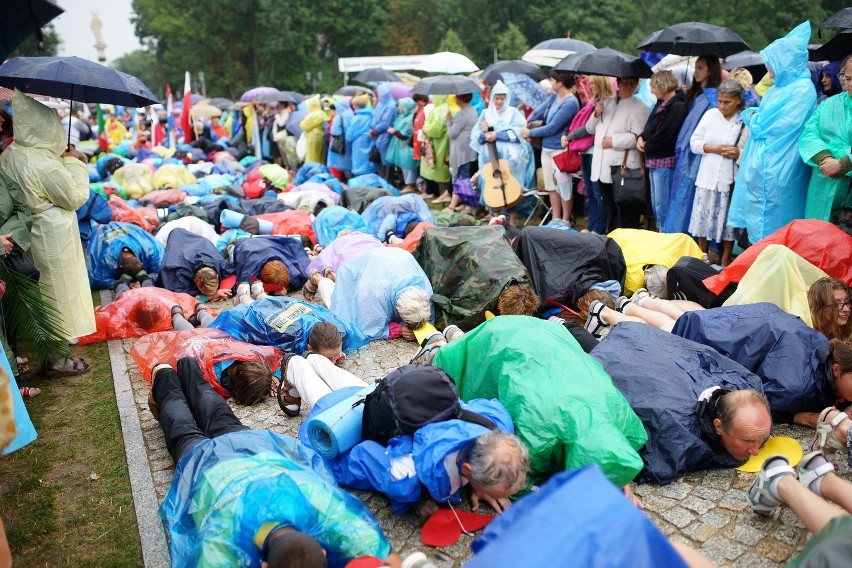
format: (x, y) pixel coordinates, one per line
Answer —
(55, 513)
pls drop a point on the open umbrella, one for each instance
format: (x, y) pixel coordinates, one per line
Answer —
(352, 91)
(21, 19)
(552, 51)
(447, 62)
(262, 95)
(694, 38)
(446, 85)
(834, 49)
(220, 102)
(205, 110)
(494, 71)
(400, 90)
(842, 19)
(747, 60)
(292, 97)
(525, 88)
(375, 75)
(605, 61)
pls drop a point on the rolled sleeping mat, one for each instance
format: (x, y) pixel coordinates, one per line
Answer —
(230, 219)
(338, 428)
(264, 227)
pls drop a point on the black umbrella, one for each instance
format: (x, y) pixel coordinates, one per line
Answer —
(834, 49)
(352, 91)
(747, 60)
(446, 85)
(220, 103)
(694, 38)
(494, 71)
(842, 19)
(375, 75)
(292, 97)
(21, 19)
(605, 61)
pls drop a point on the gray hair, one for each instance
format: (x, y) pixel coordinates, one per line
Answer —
(497, 458)
(414, 307)
(656, 280)
(734, 88)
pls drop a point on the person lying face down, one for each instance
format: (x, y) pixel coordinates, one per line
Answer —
(740, 421)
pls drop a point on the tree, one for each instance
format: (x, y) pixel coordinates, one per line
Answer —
(511, 44)
(143, 65)
(30, 45)
(452, 42)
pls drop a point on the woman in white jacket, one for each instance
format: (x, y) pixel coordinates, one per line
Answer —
(616, 124)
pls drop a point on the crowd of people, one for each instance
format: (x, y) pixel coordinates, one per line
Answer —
(250, 256)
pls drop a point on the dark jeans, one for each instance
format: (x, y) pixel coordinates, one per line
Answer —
(624, 217)
(190, 410)
(609, 206)
(123, 286)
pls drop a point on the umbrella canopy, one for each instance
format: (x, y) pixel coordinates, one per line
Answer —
(352, 91)
(205, 110)
(75, 79)
(446, 85)
(400, 90)
(694, 38)
(447, 62)
(292, 97)
(552, 51)
(262, 95)
(747, 60)
(842, 19)
(21, 19)
(220, 103)
(526, 89)
(375, 75)
(605, 61)
(834, 49)
(494, 71)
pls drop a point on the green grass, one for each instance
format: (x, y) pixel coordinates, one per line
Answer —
(55, 515)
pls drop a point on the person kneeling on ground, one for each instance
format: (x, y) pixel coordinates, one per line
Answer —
(280, 512)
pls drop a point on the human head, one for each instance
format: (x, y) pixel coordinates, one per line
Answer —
(198, 127)
(499, 94)
(359, 102)
(841, 367)
(517, 299)
(464, 99)
(656, 280)
(149, 312)
(496, 464)
(251, 381)
(421, 100)
(129, 263)
(5, 122)
(409, 227)
(324, 339)
(742, 76)
(742, 422)
(730, 97)
(214, 121)
(566, 78)
(275, 272)
(293, 549)
(206, 280)
(846, 74)
(708, 73)
(601, 86)
(590, 296)
(663, 83)
(828, 300)
(627, 86)
(414, 307)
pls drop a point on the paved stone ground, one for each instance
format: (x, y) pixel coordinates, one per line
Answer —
(708, 511)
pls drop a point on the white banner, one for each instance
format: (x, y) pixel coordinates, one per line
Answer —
(389, 62)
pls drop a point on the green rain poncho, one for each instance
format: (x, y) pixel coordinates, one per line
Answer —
(434, 166)
(828, 133)
(313, 126)
(400, 152)
(564, 405)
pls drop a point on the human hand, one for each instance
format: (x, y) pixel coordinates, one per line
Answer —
(606, 143)
(499, 505)
(221, 294)
(8, 244)
(525, 133)
(640, 144)
(564, 141)
(406, 333)
(730, 152)
(391, 130)
(599, 109)
(830, 167)
(490, 136)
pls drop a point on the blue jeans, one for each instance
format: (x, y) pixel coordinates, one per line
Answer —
(594, 198)
(661, 186)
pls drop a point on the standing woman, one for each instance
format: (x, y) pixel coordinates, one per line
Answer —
(343, 115)
(313, 125)
(616, 123)
(400, 152)
(700, 98)
(420, 102)
(435, 149)
(719, 139)
(557, 112)
(826, 144)
(383, 117)
(55, 183)
(462, 156)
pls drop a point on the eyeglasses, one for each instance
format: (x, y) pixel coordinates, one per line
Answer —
(846, 304)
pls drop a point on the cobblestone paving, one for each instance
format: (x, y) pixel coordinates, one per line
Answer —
(708, 511)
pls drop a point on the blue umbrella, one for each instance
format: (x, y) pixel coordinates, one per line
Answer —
(21, 19)
(525, 88)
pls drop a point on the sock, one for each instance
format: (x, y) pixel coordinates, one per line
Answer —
(773, 485)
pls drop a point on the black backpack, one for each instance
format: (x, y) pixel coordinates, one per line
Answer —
(410, 398)
(684, 281)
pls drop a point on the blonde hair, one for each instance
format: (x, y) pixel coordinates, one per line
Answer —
(664, 81)
(603, 85)
(207, 281)
(742, 76)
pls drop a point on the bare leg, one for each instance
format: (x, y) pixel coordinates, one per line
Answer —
(837, 490)
(555, 205)
(662, 306)
(325, 288)
(567, 209)
(702, 244)
(628, 493)
(687, 305)
(656, 319)
(814, 511)
(727, 250)
(612, 317)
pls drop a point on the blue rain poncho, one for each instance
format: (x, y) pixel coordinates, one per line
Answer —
(400, 152)
(285, 323)
(370, 466)
(358, 134)
(368, 286)
(507, 123)
(394, 213)
(342, 116)
(332, 220)
(383, 118)
(250, 255)
(772, 182)
(266, 480)
(372, 180)
(686, 169)
(185, 254)
(105, 247)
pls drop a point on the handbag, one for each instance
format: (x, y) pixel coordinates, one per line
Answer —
(568, 162)
(375, 155)
(20, 262)
(628, 184)
(466, 192)
(338, 144)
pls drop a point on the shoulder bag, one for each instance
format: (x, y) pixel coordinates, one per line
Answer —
(628, 184)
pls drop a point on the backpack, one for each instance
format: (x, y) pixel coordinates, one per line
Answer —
(580, 119)
(684, 281)
(411, 397)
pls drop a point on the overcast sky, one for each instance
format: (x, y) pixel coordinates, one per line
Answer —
(76, 35)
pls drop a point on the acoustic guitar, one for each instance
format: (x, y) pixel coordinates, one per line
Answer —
(501, 190)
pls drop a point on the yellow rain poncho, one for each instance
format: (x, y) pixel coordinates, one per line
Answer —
(53, 188)
(313, 126)
(647, 247)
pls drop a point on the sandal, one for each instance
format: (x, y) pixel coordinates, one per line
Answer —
(67, 368)
(811, 469)
(824, 439)
(594, 323)
(448, 210)
(176, 309)
(23, 365)
(762, 496)
(289, 399)
(29, 392)
(452, 332)
(309, 290)
(327, 272)
(622, 303)
(430, 344)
